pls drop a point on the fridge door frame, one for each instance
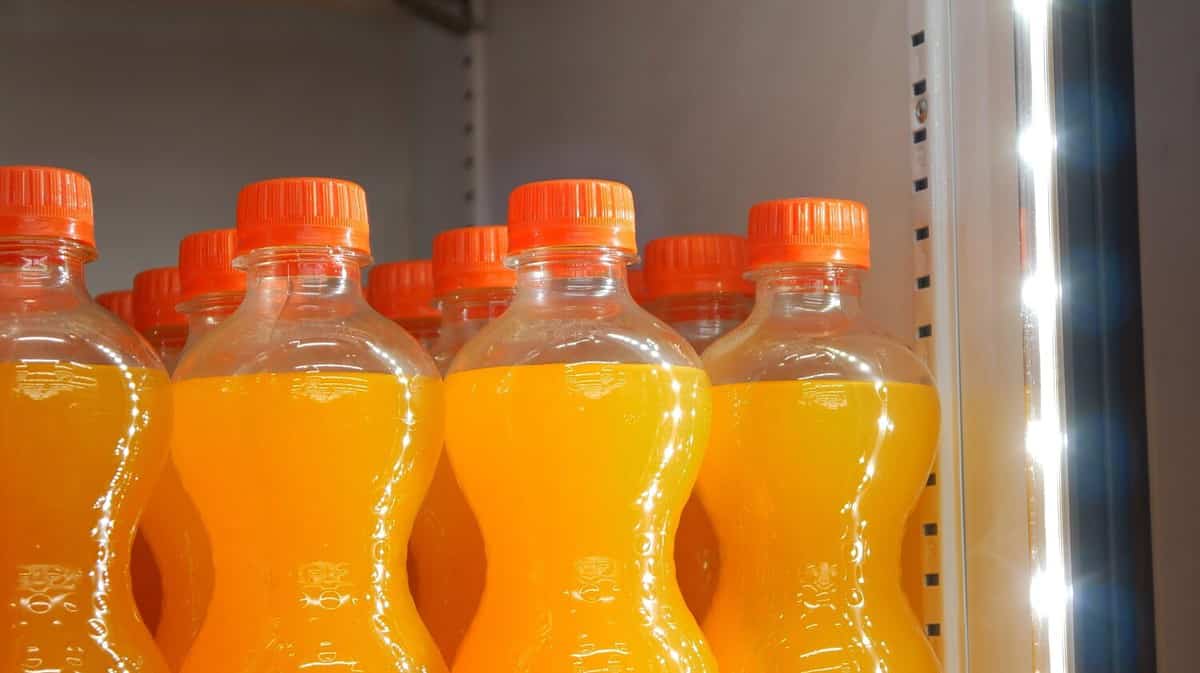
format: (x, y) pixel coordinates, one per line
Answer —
(1105, 404)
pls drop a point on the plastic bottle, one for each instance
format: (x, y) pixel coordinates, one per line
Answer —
(446, 559)
(119, 303)
(823, 432)
(210, 289)
(576, 423)
(84, 419)
(403, 291)
(696, 284)
(307, 431)
(155, 312)
(154, 300)
(636, 278)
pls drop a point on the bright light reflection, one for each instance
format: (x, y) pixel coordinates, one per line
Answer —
(1045, 437)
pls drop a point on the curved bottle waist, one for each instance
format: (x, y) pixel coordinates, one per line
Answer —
(809, 484)
(80, 447)
(307, 484)
(578, 473)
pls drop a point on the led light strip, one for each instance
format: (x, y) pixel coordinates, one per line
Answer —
(1045, 435)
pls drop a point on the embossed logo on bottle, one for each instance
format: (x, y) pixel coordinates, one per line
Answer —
(597, 580)
(591, 658)
(45, 588)
(324, 585)
(821, 583)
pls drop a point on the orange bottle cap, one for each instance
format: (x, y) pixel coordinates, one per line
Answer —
(697, 264)
(155, 295)
(636, 278)
(119, 302)
(471, 257)
(206, 264)
(571, 212)
(809, 230)
(45, 202)
(402, 290)
(303, 211)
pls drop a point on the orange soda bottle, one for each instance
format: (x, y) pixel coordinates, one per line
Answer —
(210, 289)
(154, 299)
(696, 284)
(84, 418)
(403, 292)
(636, 278)
(576, 424)
(155, 312)
(446, 564)
(119, 303)
(823, 432)
(307, 430)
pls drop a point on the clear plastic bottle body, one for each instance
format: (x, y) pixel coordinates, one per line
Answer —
(576, 423)
(173, 526)
(84, 418)
(308, 430)
(464, 314)
(207, 311)
(446, 555)
(168, 342)
(701, 318)
(424, 330)
(823, 432)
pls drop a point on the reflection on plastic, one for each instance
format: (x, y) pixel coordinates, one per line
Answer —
(578, 473)
(79, 446)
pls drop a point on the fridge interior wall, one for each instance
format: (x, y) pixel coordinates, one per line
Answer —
(703, 108)
(170, 107)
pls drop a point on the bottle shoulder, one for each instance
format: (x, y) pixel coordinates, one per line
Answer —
(77, 330)
(350, 339)
(774, 351)
(613, 331)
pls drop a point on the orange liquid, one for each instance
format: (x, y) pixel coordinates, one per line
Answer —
(697, 558)
(147, 578)
(182, 556)
(809, 484)
(149, 582)
(446, 561)
(578, 473)
(307, 484)
(80, 448)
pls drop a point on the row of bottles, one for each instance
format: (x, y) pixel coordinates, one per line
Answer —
(297, 509)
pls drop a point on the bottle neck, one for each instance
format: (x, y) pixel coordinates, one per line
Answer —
(465, 313)
(702, 318)
(168, 342)
(817, 298)
(584, 276)
(714, 308)
(304, 279)
(42, 274)
(206, 311)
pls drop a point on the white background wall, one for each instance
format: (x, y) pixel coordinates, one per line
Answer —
(1167, 80)
(170, 107)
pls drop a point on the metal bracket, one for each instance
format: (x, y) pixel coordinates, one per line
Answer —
(455, 16)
